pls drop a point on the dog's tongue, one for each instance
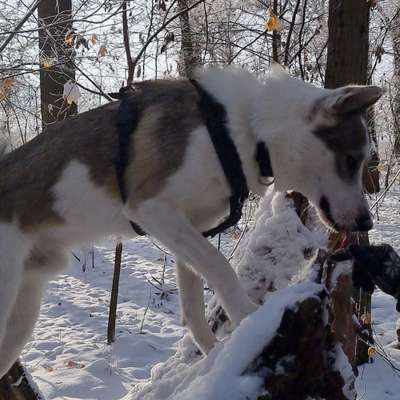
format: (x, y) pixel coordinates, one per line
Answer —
(345, 241)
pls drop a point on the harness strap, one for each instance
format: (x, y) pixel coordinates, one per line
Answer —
(215, 118)
(127, 120)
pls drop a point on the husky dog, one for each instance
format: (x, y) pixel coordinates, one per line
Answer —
(62, 189)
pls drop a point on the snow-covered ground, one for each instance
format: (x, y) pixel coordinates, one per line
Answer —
(68, 355)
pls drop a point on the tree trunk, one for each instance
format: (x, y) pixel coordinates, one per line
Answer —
(189, 59)
(395, 31)
(304, 358)
(57, 67)
(276, 36)
(347, 63)
(348, 43)
(56, 47)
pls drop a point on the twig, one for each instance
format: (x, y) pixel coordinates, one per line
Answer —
(19, 26)
(125, 32)
(145, 312)
(160, 29)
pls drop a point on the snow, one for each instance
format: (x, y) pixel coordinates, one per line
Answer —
(68, 355)
(219, 376)
(69, 358)
(278, 240)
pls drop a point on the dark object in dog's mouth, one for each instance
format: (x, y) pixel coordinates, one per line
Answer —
(373, 266)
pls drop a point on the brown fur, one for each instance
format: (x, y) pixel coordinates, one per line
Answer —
(28, 174)
(159, 143)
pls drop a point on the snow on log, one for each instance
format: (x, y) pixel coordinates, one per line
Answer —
(285, 350)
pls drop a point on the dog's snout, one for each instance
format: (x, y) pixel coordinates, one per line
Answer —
(364, 222)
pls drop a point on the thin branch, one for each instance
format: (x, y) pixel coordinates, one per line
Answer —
(247, 45)
(160, 29)
(289, 36)
(19, 26)
(125, 31)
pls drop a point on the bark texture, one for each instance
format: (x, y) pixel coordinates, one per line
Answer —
(299, 363)
(56, 47)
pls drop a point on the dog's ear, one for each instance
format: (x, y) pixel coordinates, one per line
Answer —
(352, 99)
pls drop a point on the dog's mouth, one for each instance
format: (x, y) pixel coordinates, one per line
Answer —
(363, 223)
(326, 215)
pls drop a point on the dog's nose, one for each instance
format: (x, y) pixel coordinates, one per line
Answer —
(364, 222)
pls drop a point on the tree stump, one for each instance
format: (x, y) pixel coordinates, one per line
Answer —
(300, 362)
(17, 385)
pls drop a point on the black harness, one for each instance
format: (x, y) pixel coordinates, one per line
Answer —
(215, 118)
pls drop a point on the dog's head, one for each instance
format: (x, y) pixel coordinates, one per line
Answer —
(318, 143)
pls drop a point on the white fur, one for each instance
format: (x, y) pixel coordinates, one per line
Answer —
(89, 211)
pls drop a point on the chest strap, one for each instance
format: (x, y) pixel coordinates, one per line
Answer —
(215, 118)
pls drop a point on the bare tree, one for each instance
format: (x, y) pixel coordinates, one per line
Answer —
(56, 46)
(349, 35)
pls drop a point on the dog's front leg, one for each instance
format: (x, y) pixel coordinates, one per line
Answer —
(191, 292)
(175, 231)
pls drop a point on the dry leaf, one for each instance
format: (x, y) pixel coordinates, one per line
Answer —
(273, 23)
(381, 168)
(73, 364)
(94, 38)
(6, 88)
(366, 318)
(69, 38)
(371, 352)
(81, 41)
(48, 368)
(48, 62)
(46, 65)
(102, 51)
(71, 92)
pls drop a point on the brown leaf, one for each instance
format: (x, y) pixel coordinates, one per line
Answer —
(273, 23)
(6, 88)
(69, 38)
(102, 51)
(73, 364)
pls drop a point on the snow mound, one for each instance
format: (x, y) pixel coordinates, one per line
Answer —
(220, 375)
(277, 250)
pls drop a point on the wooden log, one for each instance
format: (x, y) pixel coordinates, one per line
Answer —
(301, 361)
(17, 385)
